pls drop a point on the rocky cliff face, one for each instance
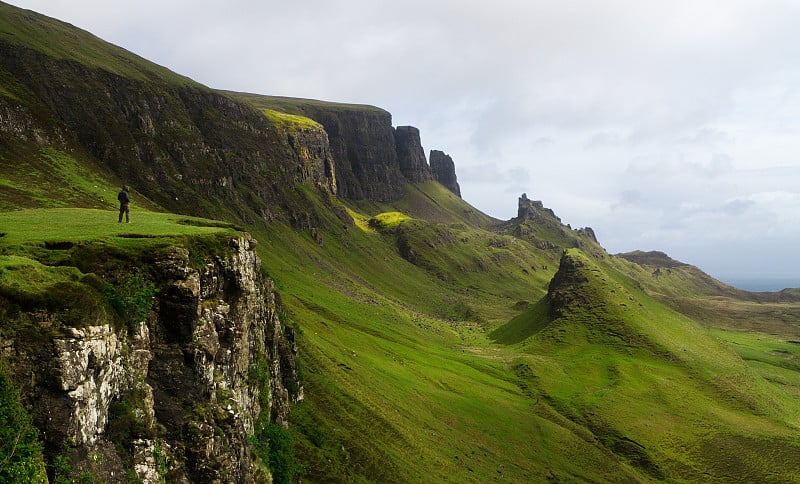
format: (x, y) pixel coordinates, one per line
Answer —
(315, 159)
(173, 395)
(373, 160)
(363, 146)
(444, 171)
(566, 286)
(410, 155)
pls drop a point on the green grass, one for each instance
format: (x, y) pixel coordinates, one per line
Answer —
(47, 177)
(415, 377)
(47, 257)
(648, 381)
(291, 122)
(298, 106)
(74, 225)
(388, 220)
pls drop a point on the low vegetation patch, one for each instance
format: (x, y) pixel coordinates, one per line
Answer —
(20, 449)
(291, 122)
(388, 220)
(361, 221)
(132, 297)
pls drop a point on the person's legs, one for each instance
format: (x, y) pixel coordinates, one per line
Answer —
(127, 213)
(121, 211)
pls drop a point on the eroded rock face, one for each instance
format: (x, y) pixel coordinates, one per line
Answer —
(315, 158)
(179, 391)
(534, 210)
(363, 145)
(410, 155)
(444, 171)
(566, 286)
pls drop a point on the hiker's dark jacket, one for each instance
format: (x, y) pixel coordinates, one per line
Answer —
(124, 198)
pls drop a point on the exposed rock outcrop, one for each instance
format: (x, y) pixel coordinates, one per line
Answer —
(315, 160)
(588, 232)
(174, 395)
(444, 171)
(372, 159)
(410, 155)
(363, 145)
(565, 286)
(534, 210)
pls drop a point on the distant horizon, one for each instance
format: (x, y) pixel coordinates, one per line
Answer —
(760, 283)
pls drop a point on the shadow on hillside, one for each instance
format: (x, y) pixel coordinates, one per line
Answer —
(523, 326)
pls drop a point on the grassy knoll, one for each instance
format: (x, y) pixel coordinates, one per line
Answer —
(655, 387)
(45, 254)
(388, 220)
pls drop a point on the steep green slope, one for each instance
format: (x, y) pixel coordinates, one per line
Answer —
(72, 105)
(397, 390)
(61, 40)
(640, 391)
(653, 386)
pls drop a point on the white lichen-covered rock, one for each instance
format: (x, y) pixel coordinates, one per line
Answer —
(89, 368)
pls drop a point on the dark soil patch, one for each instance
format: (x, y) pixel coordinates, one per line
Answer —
(136, 236)
(58, 245)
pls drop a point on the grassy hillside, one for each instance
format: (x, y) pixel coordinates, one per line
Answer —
(654, 386)
(470, 377)
(436, 344)
(64, 41)
(693, 293)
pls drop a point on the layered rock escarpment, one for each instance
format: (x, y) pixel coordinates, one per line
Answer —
(444, 171)
(363, 144)
(191, 149)
(173, 395)
(411, 156)
(315, 159)
(372, 160)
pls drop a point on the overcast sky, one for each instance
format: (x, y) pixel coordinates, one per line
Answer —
(664, 125)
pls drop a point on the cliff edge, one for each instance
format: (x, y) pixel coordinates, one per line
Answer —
(160, 365)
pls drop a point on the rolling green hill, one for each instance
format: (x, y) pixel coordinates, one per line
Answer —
(435, 343)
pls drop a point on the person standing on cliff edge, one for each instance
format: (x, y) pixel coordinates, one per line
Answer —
(124, 204)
